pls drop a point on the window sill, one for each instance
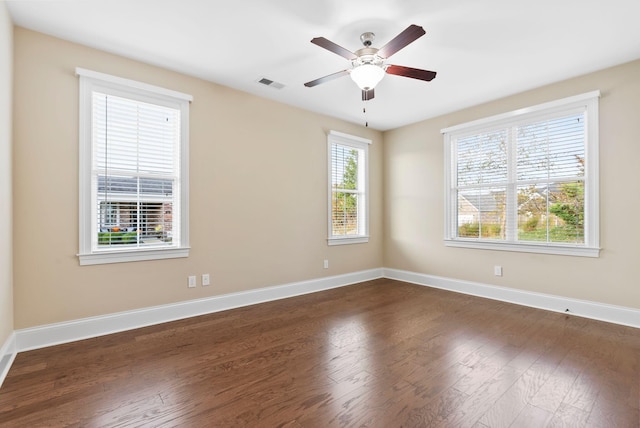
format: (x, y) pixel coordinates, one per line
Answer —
(123, 256)
(563, 250)
(345, 241)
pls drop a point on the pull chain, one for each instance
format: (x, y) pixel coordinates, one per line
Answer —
(364, 111)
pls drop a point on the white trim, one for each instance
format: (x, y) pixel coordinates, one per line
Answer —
(184, 178)
(360, 239)
(70, 331)
(564, 102)
(120, 256)
(348, 138)
(54, 334)
(586, 104)
(562, 250)
(582, 308)
(132, 84)
(85, 151)
(362, 145)
(7, 356)
(592, 172)
(90, 81)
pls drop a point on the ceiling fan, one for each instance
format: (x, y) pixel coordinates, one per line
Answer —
(368, 65)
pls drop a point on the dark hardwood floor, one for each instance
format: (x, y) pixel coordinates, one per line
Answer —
(377, 354)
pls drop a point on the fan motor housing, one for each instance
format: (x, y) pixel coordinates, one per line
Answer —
(367, 56)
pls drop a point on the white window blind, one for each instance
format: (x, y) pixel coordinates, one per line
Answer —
(526, 181)
(135, 174)
(348, 205)
(133, 195)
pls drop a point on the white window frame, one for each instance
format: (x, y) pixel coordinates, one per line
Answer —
(362, 144)
(92, 81)
(587, 102)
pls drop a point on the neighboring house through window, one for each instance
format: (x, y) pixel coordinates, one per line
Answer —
(133, 170)
(526, 180)
(348, 189)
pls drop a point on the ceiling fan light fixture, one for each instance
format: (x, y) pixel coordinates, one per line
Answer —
(367, 76)
(368, 63)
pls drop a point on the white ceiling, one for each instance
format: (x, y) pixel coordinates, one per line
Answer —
(481, 49)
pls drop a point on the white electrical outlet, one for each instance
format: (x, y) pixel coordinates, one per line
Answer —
(192, 281)
(206, 280)
(497, 270)
(326, 264)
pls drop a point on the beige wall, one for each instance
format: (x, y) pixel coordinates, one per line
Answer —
(258, 193)
(414, 197)
(6, 70)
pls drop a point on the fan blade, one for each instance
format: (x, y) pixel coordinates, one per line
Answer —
(326, 78)
(410, 34)
(367, 94)
(414, 73)
(336, 49)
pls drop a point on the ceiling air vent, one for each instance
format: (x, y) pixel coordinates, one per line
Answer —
(270, 83)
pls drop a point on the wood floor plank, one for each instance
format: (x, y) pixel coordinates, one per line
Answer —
(612, 414)
(381, 353)
(551, 395)
(532, 417)
(568, 417)
(477, 404)
(516, 398)
(583, 392)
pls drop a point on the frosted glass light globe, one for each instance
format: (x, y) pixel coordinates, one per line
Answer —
(367, 76)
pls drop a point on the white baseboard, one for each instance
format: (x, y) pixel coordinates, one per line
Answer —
(7, 355)
(54, 334)
(583, 308)
(64, 332)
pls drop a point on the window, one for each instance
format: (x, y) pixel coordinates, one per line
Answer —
(133, 170)
(526, 180)
(348, 189)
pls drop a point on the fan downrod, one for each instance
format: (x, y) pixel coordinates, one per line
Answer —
(367, 38)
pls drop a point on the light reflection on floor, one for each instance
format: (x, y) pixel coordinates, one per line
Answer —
(349, 360)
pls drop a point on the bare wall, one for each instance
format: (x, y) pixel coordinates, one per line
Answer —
(414, 195)
(258, 193)
(6, 228)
